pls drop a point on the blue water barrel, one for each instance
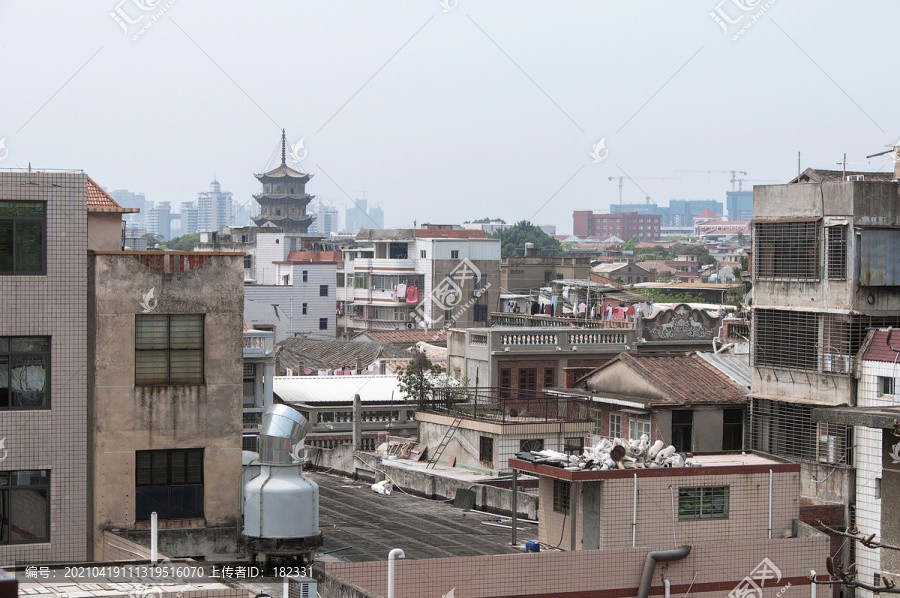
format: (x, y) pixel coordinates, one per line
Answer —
(532, 546)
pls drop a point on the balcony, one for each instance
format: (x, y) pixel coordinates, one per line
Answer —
(539, 321)
(384, 265)
(258, 344)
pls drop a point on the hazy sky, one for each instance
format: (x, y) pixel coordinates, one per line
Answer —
(448, 112)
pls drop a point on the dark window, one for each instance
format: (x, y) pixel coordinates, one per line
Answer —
(454, 254)
(481, 313)
(733, 429)
(486, 449)
(306, 276)
(323, 323)
(398, 251)
(22, 237)
(786, 250)
(323, 290)
(533, 444)
(561, 496)
(24, 506)
(448, 316)
(573, 446)
(703, 502)
(836, 252)
(24, 372)
(170, 483)
(304, 309)
(548, 276)
(168, 349)
(504, 383)
(250, 443)
(548, 377)
(682, 428)
(528, 379)
(249, 392)
(247, 262)
(886, 386)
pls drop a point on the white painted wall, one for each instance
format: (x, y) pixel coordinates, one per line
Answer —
(290, 319)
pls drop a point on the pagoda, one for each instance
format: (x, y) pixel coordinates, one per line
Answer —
(284, 198)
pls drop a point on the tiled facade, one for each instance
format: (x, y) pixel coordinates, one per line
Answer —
(54, 305)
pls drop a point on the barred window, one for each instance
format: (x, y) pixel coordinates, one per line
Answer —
(836, 252)
(703, 502)
(486, 449)
(168, 349)
(170, 483)
(534, 444)
(786, 430)
(785, 339)
(561, 496)
(786, 250)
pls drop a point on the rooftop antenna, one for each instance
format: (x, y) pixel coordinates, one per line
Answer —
(29, 168)
(844, 171)
(283, 142)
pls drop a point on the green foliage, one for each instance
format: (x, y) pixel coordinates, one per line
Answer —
(183, 243)
(629, 246)
(486, 221)
(656, 253)
(415, 380)
(513, 239)
(152, 240)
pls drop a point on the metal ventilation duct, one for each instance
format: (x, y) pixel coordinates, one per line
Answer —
(282, 428)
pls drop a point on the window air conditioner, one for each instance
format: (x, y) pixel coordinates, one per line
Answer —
(837, 364)
(302, 587)
(827, 449)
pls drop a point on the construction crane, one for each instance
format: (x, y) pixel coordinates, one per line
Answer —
(621, 180)
(741, 182)
(734, 174)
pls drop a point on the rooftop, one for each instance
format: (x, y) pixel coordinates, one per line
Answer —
(325, 354)
(99, 200)
(816, 175)
(404, 337)
(877, 346)
(337, 389)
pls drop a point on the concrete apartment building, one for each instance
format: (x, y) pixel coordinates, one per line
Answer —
(824, 272)
(447, 277)
(533, 271)
(165, 397)
(624, 226)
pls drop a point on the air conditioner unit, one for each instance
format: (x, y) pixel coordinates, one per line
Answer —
(837, 364)
(302, 587)
(856, 177)
(410, 325)
(827, 449)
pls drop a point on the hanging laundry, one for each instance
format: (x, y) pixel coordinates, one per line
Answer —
(553, 305)
(401, 290)
(582, 307)
(548, 309)
(593, 311)
(535, 308)
(618, 313)
(412, 294)
(629, 311)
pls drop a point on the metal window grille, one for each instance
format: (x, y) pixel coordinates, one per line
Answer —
(703, 502)
(561, 496)
(250, 443)
(532, 444)
(787, 430)
(785, 339)
(168, 349)
(249, 369)
(836, 252)
(486, 449)
(786, 250)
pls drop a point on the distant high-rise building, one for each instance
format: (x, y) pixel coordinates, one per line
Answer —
(159, 220)
(242, 215)
(740, 205)
(360, 216)
(326, 221)
(215, 208)
(128, 199)
(190, 218)
(682, 211)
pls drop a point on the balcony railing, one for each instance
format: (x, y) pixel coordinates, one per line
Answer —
(258, 343)
(538, 321)
(504, 405)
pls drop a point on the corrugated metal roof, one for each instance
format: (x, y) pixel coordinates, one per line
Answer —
(337, 389)
(736, 367)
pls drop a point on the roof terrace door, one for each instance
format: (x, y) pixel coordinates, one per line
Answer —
(590, 524)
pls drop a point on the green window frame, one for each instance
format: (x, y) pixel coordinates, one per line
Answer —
(168, 350)
(703, 502)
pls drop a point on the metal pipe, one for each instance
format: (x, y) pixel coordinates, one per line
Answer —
(660, 556)
(812, 591)
(770, 504)
(668, 588)
(634, 516)
(515, 503)
(153, 545)
(573, 505)
(397, 552)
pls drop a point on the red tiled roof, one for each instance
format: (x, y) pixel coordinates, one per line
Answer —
(878, 349)
(318, 256)
(99, 200)
(685, 379)
(707, 213)
(449, 234)
(604, 280)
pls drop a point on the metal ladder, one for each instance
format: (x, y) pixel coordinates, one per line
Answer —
(444, 442)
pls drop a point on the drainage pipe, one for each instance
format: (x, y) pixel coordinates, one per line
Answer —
(668, 588)
(397, 552)
(634, 516)
(770, 504)
(154, 553)
(812, 576)
(659, 556)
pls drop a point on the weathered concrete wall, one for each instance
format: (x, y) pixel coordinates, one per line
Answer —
(188, 541)
(334, 586)
(104, 232)
(127, 418)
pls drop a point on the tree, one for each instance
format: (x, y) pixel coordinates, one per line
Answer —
(513, 239)
(629, 246)
(838, 575)
(183, 243)
(486, 221)
(152, 240)
(656, 253)
(416, 379)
